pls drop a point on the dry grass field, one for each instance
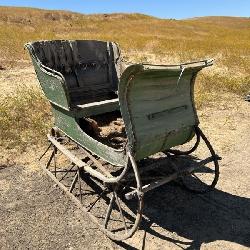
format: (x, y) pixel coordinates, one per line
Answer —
(142, 39)
(36, 215)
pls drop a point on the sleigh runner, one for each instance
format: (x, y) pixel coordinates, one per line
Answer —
(152, 106)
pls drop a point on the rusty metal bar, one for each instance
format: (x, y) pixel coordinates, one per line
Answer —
(73, 183)
(121, 213)
(83, 165)
(45, 152)
(103, 226)
(55, 151)
(79, 183)
(50, 159)
(70, 195)
(109, 210)
(96, 200)
(97, 163)
(168, 178)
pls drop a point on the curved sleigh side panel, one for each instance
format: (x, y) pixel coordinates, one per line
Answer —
(157, 106)
(51, 81)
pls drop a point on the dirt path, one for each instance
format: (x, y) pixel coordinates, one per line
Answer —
(11, 79)
(35, 215)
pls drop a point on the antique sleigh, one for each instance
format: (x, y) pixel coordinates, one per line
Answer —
(152, 110)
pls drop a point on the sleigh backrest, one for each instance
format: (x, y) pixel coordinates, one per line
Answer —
(90, 69)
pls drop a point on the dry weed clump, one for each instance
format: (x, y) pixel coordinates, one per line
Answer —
(24, 118)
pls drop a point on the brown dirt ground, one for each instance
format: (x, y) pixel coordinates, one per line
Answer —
(35, 215)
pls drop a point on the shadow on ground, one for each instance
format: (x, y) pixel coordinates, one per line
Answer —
(198, 218)
(171, 215)
(188, 220)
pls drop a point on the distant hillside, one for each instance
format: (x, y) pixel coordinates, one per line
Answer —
(142, 38)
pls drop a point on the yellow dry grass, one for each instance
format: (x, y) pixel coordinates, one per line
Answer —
(142, 39)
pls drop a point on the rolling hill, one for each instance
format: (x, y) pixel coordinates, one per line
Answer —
(142, 38)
